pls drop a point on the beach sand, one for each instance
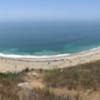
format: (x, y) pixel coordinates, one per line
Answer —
(15, 64)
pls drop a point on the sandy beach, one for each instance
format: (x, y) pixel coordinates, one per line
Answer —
(17, 64)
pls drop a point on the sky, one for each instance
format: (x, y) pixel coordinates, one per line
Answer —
(49, 10)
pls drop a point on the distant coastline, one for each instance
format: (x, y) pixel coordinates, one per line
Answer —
(12, 63)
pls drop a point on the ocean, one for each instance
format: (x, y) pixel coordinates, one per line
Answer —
(48, 37)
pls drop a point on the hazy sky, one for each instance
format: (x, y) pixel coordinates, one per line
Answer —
(49, 10)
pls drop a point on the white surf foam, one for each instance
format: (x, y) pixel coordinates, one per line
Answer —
(44, 56)
(30, 56)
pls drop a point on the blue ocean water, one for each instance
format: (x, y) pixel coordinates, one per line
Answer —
(48, 38)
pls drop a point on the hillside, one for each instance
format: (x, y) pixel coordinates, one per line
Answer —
(81, 82)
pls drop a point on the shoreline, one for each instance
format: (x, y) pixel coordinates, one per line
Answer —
(12, 63)
(29, 56)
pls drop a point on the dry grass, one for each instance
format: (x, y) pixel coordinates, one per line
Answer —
(86, 76)
(8, 84)
(80, 78)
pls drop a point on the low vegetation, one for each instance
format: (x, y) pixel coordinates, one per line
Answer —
(57, 82)
(86, 76)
